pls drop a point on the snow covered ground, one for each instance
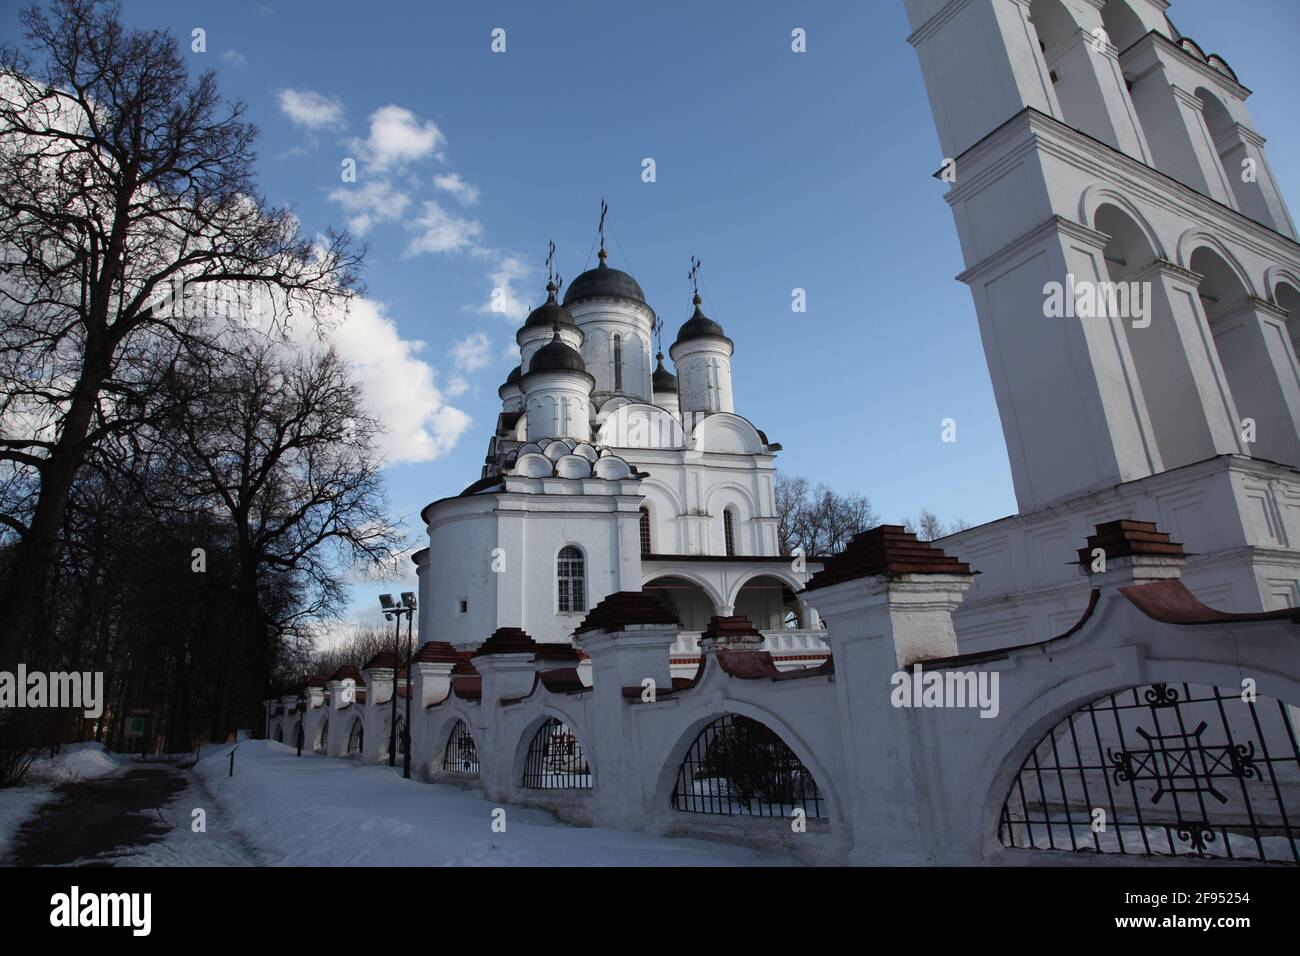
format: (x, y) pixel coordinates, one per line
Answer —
(87, 761)
(314, 810)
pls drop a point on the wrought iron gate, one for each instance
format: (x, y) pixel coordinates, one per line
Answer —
(1163, 770)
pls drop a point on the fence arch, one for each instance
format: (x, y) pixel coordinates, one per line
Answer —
(1162, 769)
(459, 752)
(738, 766)
(552, 756)
(680, 753)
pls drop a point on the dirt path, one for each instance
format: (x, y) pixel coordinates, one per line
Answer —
(140, 817)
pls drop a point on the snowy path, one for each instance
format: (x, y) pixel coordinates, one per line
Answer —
(314, 810)
(138, 818)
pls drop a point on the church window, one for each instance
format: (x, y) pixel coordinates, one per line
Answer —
(570, 576)
(645, 531)
(464, 606)
(729, 531)
(618, 363)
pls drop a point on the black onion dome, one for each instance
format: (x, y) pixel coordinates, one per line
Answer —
(549, 312)
(699, 325)
(556, 356)
(663, 380)
(513, 378)
(603, 282)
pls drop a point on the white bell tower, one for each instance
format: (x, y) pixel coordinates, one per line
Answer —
(1132, 262)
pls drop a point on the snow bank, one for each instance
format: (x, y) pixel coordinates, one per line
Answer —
(313, 810)
(75, 762)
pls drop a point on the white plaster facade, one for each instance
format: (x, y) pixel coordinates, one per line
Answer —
(1098, 145)
(591, 455)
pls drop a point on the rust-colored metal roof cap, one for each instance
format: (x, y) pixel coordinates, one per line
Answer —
(885, 550)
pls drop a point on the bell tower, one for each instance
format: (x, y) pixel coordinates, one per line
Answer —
(1133, 264)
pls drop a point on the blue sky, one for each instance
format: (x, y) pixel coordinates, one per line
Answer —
(777, 170)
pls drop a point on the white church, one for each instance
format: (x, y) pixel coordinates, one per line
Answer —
(610, 632)
(608, 472)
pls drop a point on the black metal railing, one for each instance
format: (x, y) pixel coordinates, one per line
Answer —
(1163, 770)
(740, 767)
(323, 738)
(555, 760)
(356, 737)
(460, 755)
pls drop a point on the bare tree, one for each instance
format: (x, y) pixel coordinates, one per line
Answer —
(818, 521)
(120, 178)
(277, 440)
(928, 527)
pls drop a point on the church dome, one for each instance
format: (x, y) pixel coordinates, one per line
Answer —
(549, 312)
(556, 356)
(663, 380)
(603, 282)
(699, 325)
(516, 373)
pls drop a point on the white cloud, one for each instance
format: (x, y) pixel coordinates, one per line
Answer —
(235, 59)
(472, 352)
(375, 201)
(457, 386)
(503, 298)
(399, 387)
(439, 231)
(398, 136)
(466, 194)
(311, 110)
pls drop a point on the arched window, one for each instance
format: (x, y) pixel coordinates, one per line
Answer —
(570, 580)
(729, 531)
(645, 530)
(618, 363)
(357, 737)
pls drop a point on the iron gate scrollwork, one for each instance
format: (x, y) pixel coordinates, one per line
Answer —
(738, 766)
(460, 755)
(555, 760)
(1163, 770)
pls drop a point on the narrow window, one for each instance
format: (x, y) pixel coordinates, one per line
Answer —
(645, 530)
(729, 531)
(618, 363)
(464, 606)
(569, 578)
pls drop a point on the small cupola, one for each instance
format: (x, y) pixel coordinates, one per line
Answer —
(557, 356)
(663, 380)
(550, 312)
(699, 325)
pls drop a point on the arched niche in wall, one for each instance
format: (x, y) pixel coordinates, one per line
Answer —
(637, 425)
(725, 432)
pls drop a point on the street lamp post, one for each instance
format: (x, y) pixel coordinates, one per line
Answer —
(409, 604)
(392, 612)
